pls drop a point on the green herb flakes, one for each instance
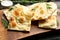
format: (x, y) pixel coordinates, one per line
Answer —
(48, 6)
(33, 9)
(10, 9)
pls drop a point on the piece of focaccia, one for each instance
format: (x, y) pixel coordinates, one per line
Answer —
(43, 10)
(18, 18)
(51, 22)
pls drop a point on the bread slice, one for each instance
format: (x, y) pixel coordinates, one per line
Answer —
(43, 10)
(51, 22)
(18, 18)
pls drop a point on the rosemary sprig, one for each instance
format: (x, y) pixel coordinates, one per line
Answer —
(48, 6)
(10, 9)
(5, 23)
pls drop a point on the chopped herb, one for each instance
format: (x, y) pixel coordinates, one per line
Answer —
(5, 23)
(33, 9)
(48, 6)
(10, 9)
(17, 20)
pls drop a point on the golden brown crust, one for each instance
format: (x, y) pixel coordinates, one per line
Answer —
(13, 24)
(11, 19)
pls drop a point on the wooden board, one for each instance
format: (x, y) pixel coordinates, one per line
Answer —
(3, 32)
(14, 35)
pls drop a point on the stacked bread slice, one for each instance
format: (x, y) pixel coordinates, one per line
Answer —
(51, 20)
(46, 14)
(20, 16)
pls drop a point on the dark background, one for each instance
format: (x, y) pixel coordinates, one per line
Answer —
(52, 35)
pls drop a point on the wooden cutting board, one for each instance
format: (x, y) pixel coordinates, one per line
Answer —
(14, 35)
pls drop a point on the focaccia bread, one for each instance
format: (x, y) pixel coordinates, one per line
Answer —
(43, 10)
(51, 22)
(18, 18)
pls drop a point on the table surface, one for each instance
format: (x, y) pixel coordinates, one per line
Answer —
(14, 35)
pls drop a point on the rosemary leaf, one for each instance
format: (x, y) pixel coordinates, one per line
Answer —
(33, 9)
(10, 9)
(48, 6)
(5, 23)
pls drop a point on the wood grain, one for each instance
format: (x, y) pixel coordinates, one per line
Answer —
(14, 35)
(3, 32)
